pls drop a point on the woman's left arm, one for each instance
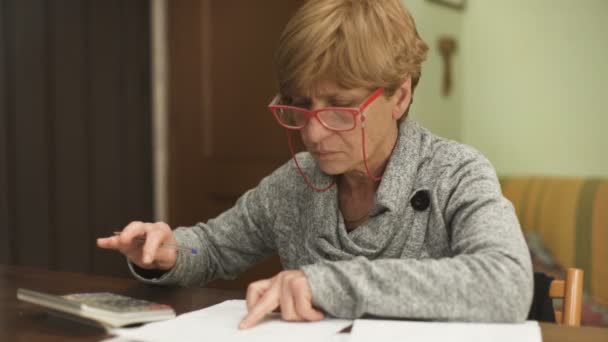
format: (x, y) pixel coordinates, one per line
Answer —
(488, 278)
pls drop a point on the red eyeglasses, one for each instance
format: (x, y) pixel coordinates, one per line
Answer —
(337, 119)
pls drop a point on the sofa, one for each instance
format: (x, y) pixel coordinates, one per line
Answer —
(565, 221)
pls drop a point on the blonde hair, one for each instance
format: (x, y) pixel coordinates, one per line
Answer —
(355, 43)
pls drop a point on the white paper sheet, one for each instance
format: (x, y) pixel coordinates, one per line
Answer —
(392, 330)
(220, 323)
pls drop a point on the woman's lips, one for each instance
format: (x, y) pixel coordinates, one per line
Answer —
(324, 154)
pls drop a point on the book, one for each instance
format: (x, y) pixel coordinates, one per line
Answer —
(107, 309)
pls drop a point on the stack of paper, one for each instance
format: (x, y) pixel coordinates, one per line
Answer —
(389, 330)
(220, 323)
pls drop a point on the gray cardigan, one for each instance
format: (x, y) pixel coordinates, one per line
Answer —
(442, 242)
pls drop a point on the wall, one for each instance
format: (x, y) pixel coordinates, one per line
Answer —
(535, 85)
(442, 115)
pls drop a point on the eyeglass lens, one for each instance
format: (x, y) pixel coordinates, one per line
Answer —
(332, 119)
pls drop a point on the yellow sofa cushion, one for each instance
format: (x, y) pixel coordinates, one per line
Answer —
(571, 217)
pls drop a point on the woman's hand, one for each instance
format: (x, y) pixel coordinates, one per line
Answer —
(150, 255)
(289, 291)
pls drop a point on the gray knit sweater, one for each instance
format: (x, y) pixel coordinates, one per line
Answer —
(442, 241)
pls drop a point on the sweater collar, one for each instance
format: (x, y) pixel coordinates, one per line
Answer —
(400, 173)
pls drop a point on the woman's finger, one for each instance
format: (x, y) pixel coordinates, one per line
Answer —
(130, 232)
(154, 237)
(256, 290)
(288, 311)
(157, 235)
(268, 302)
(109, 242)
(303, 300)
(122, 241)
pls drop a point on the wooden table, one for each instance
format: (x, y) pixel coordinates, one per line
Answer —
(21, 321)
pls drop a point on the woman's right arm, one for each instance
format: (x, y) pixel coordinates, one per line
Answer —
(226, 245)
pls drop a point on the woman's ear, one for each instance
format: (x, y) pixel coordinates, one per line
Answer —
(402, 98)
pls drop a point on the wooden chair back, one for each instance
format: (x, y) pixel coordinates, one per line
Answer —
(571, 291)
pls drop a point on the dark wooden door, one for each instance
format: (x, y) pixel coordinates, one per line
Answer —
(75, 144)
(223, 140)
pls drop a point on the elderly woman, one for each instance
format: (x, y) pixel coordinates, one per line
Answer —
(379, 216)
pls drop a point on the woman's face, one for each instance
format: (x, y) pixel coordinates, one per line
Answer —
(341, 152)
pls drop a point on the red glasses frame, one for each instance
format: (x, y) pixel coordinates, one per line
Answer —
(355, 111)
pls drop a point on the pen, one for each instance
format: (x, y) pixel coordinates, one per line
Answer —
(166, 245)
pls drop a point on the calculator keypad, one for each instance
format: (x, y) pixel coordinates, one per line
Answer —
(115, 302)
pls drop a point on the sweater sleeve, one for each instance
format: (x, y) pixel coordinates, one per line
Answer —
(227, 245)
(488, 278)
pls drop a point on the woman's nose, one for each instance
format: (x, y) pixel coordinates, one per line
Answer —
(314, 131)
